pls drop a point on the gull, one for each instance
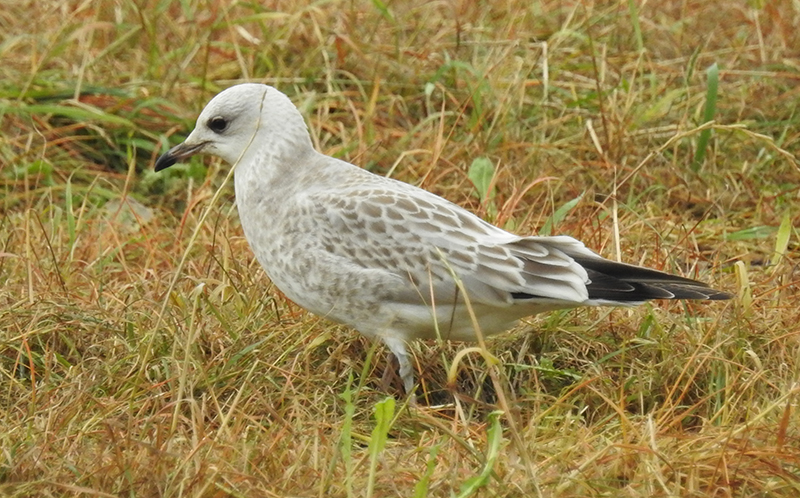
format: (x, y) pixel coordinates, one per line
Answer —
(388, 259)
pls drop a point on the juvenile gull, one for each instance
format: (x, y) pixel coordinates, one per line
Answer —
(380, 255)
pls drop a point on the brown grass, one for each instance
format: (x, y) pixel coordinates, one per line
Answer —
(117, 387)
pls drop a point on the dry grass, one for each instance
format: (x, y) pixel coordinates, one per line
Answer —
(117, 387)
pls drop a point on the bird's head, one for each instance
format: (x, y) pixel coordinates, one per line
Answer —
(231, 122)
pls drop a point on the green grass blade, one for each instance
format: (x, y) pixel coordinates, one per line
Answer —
(384, 412)
(70, 216)
(712, 74)
(346, 440)
(751, 233)
(384, 10)
(692, 64)
(480, 173)
(494, 438)
(633, 11)
(745, 292)
(558, 216)
(421, 488)
(75, 113)
(782, 240)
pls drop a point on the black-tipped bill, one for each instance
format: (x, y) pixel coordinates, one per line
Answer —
(178, 154)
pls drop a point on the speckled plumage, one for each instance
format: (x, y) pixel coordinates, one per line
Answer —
(380, 255)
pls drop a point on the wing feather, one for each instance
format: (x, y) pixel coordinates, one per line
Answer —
(426, 239)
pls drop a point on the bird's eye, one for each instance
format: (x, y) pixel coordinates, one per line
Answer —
(217, 124)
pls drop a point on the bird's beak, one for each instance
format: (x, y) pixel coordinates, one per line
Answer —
(178, 153)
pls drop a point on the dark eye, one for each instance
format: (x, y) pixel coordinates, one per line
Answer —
(217, 124)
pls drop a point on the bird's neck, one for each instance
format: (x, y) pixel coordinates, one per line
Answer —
(273, 169)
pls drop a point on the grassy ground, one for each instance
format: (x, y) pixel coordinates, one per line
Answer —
(144, 353)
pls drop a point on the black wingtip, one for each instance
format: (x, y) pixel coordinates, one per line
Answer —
(621, 282)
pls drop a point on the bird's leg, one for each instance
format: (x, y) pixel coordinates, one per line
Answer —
(389, 374)
(398, 349)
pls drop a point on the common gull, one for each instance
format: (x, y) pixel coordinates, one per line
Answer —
(391, 260)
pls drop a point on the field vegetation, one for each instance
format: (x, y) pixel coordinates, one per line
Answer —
(144, 353)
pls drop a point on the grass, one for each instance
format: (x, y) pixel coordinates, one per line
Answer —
(590, 119)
